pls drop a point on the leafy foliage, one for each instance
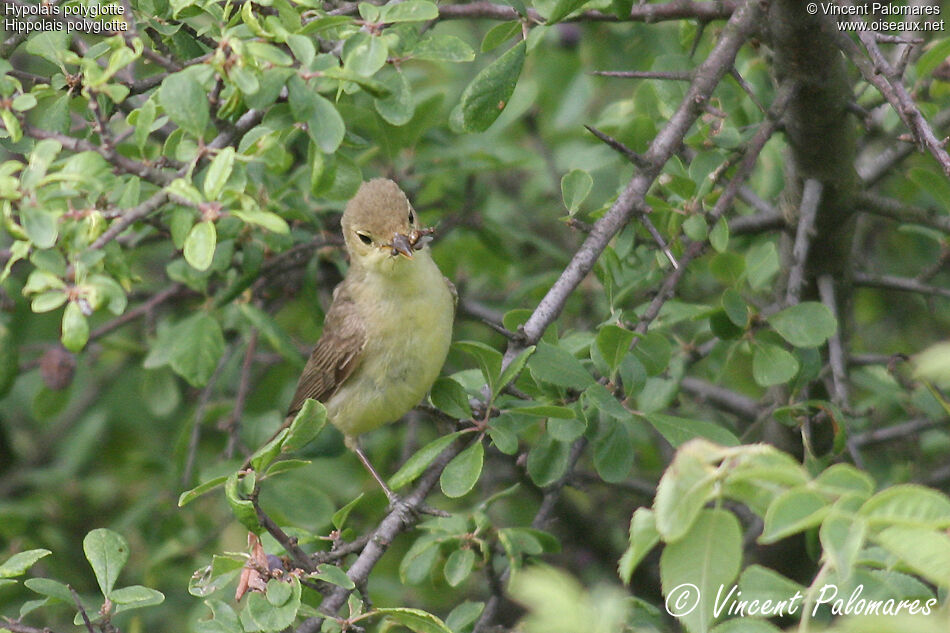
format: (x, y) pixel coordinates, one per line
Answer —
(723, 402)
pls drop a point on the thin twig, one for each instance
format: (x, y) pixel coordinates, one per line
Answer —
(897, 431)
(138, 311)
(301, 558)
(808, 209)
(199, 414)
(902, 212)
(890, 282)
(666, 142)
(878, 71)
(725, 201)
(836, 352)
(720, 397)
(233, 426)
(401, 517)
(82, 609)
(666, 75)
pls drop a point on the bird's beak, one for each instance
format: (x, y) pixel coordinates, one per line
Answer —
(401, 246)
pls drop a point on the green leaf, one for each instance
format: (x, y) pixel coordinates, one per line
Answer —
(936, 52)
(448, 396)
(489, 92)
(910, 505)
(415, 620)
(575, 187)
(807, 324)
(17, 564)
(546, 411)
(135, 597)
(559, 367)
(438, 47)
(462, 473)
(499, 34)
(50, 588)
(735, 308)
(614, 452)
(340, 516)
(613, 342)
(678, 431)
(793, 511)
(463, 615)
(514, 368)
(107, 553)
(654, 351)
(41, 226)
(200, 244)
(218, 173)
(932, 183)
(196, 346)
(489, 361)
(842, 538)
(324, 123)
(273, 333)
(719, 236)
(563, 8)
(458, 566)
(708, 556)
(364, 54)
(761, 263)
(223, 619)
(190, 495)
(547, 460)
(9, 360)
(75, 328)
(306, 425)
(185, 101)
(772, 365)
(236, 489)
(408, 11)
(398, 107)
(265, 219)
(685, 487)
(643, 538)
(925, 551)
(333, 575)
(259, 614)
(420, 460)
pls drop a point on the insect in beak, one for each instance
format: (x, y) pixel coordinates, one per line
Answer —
(402, 245)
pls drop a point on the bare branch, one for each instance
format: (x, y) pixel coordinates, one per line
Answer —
(879, 72)
(725, 201)
(890, 282)
(811, 198)
(138, 311)
(720, 397)
(671, 75)
(836, 352)
(708, 76)
(401, 517)
(898, 431)
(902, 212)
(673, 10)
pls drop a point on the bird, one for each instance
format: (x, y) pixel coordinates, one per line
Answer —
(389, 326)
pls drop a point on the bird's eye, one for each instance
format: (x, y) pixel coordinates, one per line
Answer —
(366, 239)
(412, 218)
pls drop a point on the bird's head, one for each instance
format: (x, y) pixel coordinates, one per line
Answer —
(380, 226)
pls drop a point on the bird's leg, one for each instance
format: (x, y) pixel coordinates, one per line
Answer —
(354, 445)
(394, 501)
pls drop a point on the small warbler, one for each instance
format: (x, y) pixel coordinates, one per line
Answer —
(388, 329)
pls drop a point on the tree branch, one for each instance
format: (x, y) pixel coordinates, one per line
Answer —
(708, 76)
(807, 210)
(890, 282)
(879, 72)
(674, 10)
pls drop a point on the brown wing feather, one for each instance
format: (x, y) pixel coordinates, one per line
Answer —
(337, 353)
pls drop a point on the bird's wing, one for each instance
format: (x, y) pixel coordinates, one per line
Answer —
(337, 353)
